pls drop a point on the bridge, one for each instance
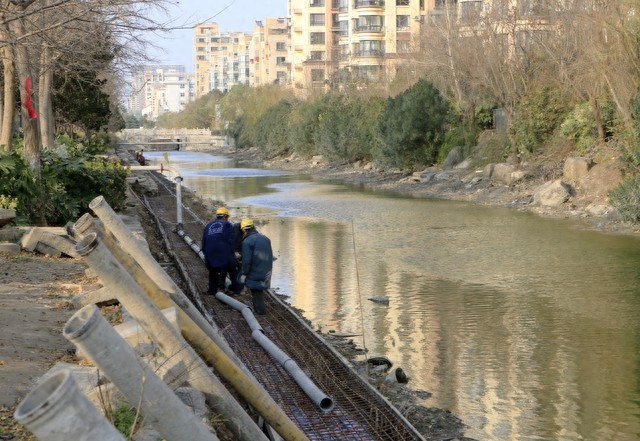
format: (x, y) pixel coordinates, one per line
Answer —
(173, 139)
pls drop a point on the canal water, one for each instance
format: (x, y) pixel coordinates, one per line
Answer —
(527, 328)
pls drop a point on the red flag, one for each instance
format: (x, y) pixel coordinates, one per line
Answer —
(27, 101)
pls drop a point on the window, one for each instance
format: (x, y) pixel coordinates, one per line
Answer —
(402, 22)
(281, 46)
(200, 49)
(282, 77)
(316, 55)
(281, 60)
(316, 2)
(422, 4)
(402, 2)
(317, 74)
(316, 37)
(201, 40)
(369, 48)
(316, 19)
(403, 46)
(201, 57)
(369, 23)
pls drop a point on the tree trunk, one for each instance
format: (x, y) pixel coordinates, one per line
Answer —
(598, 118)
(47, 127)
(6, 136)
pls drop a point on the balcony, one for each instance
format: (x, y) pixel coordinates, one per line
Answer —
(368, 4)
(371, 28)
(369, 53)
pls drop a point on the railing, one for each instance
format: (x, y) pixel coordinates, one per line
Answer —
(368, 3)
(167, 132)
(370, 53)
(368, 28)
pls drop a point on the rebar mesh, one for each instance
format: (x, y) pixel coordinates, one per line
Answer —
(359, 413)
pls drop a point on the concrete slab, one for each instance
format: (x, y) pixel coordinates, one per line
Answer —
(9, 249)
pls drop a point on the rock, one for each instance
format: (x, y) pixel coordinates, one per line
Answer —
(384, 299)
(463, 165)
(598, 209)
(488, 170)
(452, 158)
(379, 360)
(9, 249)
(552, 194)
(503, 173)
(6, 216)
(576, 167)
(397, 376)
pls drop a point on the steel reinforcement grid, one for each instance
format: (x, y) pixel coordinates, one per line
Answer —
(360, 413)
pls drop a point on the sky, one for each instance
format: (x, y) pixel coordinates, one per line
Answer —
(230, 15)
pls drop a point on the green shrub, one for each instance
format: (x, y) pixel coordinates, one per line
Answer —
(124, 419)
(538, 115)
(271, 129)
(68, 183)
(626, 198)
(304, 121)
(580, 125)
(348, 127)
(413, 125)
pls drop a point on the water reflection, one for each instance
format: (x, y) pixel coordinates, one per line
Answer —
(525, 327)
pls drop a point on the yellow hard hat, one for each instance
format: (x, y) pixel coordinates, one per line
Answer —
(222, 211)
(246, 223)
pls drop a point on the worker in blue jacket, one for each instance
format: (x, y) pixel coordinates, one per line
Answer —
(257, 264)
(219, 243)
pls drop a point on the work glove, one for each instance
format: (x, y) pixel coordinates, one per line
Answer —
(243, 278)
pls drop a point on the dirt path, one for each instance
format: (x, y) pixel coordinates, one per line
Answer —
(35, 293)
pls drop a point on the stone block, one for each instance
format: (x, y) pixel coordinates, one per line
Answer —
(9, 249)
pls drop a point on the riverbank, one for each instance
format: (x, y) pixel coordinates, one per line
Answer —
(588, 203)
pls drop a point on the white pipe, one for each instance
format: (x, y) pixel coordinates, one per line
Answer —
(170, 342)
(162, 409)
(57, 410)
(178, 180)
(319, 398)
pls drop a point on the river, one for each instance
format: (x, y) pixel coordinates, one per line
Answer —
(526, 328)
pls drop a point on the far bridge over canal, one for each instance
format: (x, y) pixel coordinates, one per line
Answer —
(173, 139)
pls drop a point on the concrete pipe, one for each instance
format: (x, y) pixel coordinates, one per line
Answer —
(162, 408)
(57, 410)
(170, 342)
(211, 345)
(319, 398)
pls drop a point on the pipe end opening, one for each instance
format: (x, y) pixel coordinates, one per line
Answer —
(96, 202)
(87, 244)
(326, 404)
(80, 322)
(83, 223)
(41, 398)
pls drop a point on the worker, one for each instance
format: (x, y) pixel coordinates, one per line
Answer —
(257, 264)
(219, 246)
(140, 157)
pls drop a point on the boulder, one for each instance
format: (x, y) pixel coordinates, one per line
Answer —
(552, 194)
(576, 167)
(503, 173)
(9, 249)
(6, 216)
(452, 159)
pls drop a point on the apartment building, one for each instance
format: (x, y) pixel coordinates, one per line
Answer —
(160, 89)
(221, 59)
(366, 38)
(269, 51)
